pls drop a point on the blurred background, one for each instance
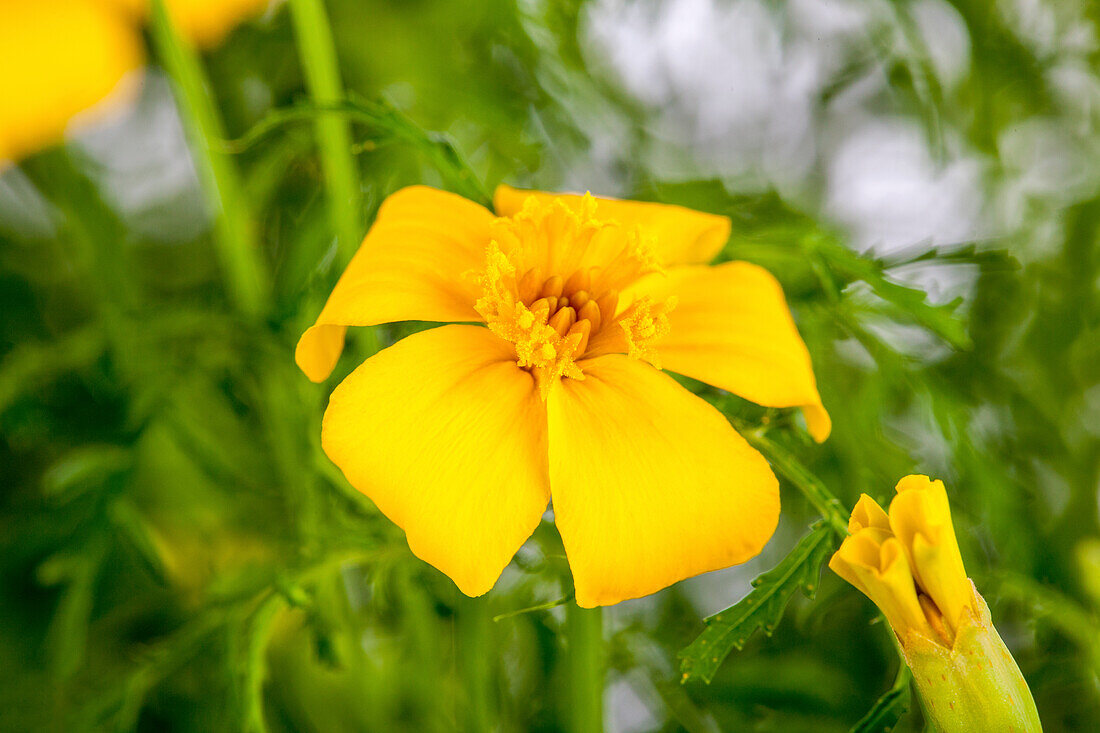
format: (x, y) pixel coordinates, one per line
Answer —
(176, 553)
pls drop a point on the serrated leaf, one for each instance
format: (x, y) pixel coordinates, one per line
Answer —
(385, 121)
(940, 319)
(762, 608)
(888, 709)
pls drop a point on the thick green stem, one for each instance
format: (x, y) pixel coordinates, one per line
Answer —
(475, 653)
(318, 57)
(240, 261)
(811, 486)
(584, 634)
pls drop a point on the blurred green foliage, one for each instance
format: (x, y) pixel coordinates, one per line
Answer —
(178, 554)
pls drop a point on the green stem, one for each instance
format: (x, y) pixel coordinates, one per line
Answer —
(240, 261)
(584, 634)
(475, 654)
(810, 485)
(318, 57)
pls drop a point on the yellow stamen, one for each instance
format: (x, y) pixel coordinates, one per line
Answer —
(542, 291)
(643, 323)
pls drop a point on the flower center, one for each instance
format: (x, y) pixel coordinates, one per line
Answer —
(551, 286)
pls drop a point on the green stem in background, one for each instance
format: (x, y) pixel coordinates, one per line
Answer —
(240, 261)
(318, 57)
(475, 653)
(584, 635)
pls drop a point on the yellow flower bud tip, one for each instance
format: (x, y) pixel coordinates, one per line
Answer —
(920, 517)
(552, 286)
(868, 514)
(590, 312)
(528, 287)
(579, 281)
(563, 320)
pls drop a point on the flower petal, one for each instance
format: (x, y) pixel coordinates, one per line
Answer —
(447, 436)
(412, 266)
(650, 484)
(206, 22)
(60, 59)
(731, 328)
(683, 236)
(920, 516)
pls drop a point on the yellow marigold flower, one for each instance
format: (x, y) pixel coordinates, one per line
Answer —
(70, 61)
(908, 563)
(62, 60)
(462, 434)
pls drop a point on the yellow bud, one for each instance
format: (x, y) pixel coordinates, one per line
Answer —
(908, 563)
(873, 561)
(975, 684)
(920, 517)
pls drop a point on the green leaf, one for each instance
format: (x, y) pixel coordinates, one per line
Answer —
(940, 319)
(888, 709)
(811, 486)
(29, 365)
(129, 522)
(532, 609)
(84, 468)
(761, 608)
(385, 122)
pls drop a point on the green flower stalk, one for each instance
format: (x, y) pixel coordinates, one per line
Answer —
(908, 563)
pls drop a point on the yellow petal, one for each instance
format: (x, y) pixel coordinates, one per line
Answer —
(868, 514)
(731, 328)
(873, 561)
(920, 516)
(60, 58)
(205, 22)
(447, 436)
(414, 265)
(683, 236)
(650, 484)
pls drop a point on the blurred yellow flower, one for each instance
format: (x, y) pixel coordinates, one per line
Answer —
(462, 434)
(61, 59)
(205, 22)
(908, 562)
(70, 61)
